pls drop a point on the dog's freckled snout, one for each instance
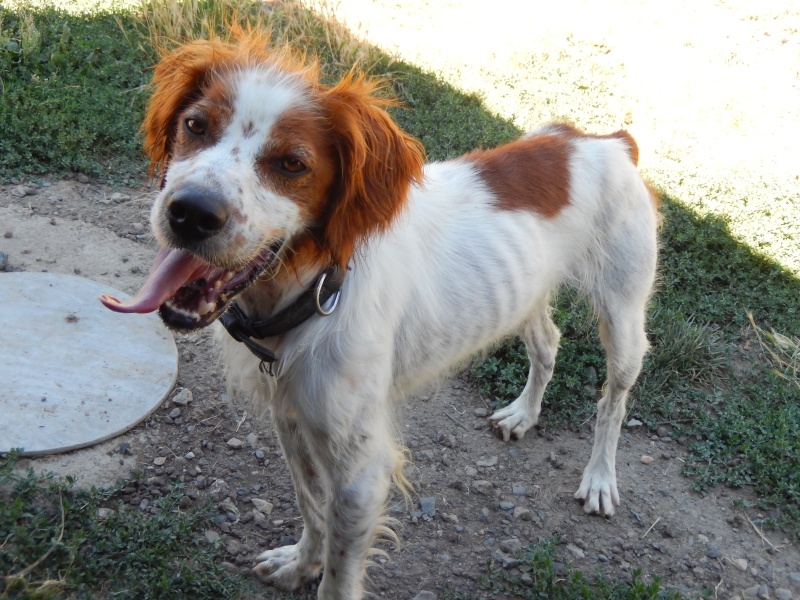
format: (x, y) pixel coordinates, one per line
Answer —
(196, 215)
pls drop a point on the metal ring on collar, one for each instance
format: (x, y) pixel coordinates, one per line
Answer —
(330, 303)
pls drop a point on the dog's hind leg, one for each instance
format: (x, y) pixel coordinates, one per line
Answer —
(541, 338)
(289, 567)
(619, 296)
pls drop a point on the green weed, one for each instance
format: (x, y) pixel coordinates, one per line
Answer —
(542, 577)
(72, 92)
(55, 541)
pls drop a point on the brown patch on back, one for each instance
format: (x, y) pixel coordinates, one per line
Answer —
(575, 133)
(528, 174)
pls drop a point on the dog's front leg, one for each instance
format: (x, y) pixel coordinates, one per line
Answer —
(289, 567)
(360, 473)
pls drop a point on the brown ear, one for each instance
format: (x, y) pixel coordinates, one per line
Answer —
(378, 163)
(178, 78)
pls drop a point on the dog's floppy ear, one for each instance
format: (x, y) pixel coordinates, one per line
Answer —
(178, 78)
(377, 160)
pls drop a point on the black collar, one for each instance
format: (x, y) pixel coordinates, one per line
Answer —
(321, 298)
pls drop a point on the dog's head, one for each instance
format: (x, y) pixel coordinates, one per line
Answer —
(259, 160)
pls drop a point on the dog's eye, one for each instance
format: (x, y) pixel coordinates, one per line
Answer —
(292, 166)
(195, 126)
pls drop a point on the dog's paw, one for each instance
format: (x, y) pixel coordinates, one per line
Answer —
(286, 568)
(512, 421)
(598, 491)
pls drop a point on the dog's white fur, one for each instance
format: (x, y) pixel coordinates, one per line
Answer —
(452, 274)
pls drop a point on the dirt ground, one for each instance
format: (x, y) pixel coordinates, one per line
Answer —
(479, 499)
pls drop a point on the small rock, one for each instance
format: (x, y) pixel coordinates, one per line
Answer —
(702, 539)
(175, 413)
(183, 397)
(260, 454)
(19, 191)
(481, 412)
(470, 471)
(104, 513)
(482, 486)
(511, 546)
(189, 455)
(763, 591)
(518, 489)
(646, 459)
(218, 488)
(794, 579)
(3, 260)
(8, 234)
(489, 462)
(159, 460)
(507, 561)
(450, 518)
(740, 563)
(752, 592)
(523, 514)
(575, 551)
(428, 506)
(783, 594)
(262, 506)
(212, 537)
(116, 196)
(82, 178)
(235, 443)
(229, 567)
(633, 423)
(506, 505)
(425, 595)
(713, 552)
(526, 580)
(663, 432)
(427, 455)
(458, 485)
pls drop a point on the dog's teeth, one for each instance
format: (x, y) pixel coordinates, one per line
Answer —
(228, 276)
(217, 284)
(205, 308)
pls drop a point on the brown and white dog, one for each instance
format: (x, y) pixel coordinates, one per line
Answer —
(271, 178)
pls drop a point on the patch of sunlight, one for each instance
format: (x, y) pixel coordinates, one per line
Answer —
(711, 91)
(76, 7)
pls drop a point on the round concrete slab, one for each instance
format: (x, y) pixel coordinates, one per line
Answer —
(73, 373)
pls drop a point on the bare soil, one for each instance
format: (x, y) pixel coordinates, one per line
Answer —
(693, 542)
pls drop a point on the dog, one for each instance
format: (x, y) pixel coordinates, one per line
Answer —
(349, 272)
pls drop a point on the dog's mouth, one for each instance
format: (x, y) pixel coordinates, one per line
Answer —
(188, 292)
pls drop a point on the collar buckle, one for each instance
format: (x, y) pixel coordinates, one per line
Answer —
(322, 298)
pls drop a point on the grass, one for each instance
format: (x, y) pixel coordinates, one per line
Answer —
(544, 578)
(56, 541)
(723, 372)
(50, 122)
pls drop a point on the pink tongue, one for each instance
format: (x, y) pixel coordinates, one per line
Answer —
(171, 269)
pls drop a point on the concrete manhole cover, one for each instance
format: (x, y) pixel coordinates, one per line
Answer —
(73, 373)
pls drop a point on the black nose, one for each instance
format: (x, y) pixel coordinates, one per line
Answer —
(196, 214)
